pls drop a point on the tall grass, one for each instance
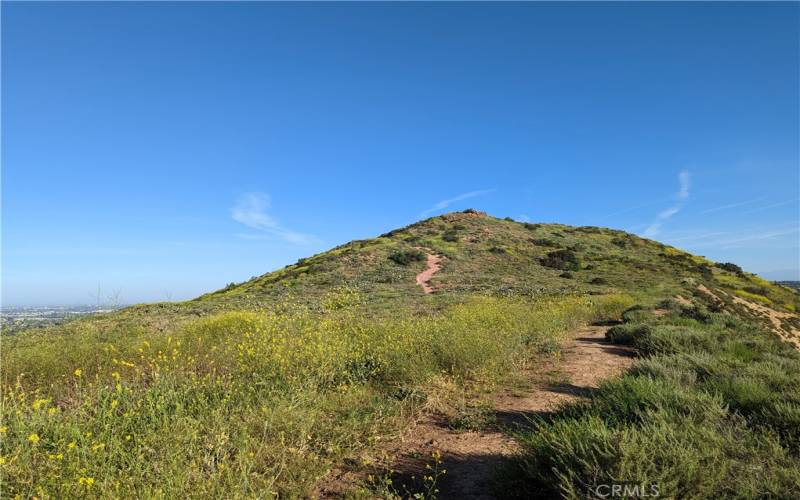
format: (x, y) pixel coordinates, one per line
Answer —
(242, 403)
(711, 411)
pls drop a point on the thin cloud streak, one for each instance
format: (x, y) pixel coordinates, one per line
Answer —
(747, 238)
(767, 207)
(635, 207)
(684, 181)
(700, 236)
(446, 203)
(251, 210)
(729, 206)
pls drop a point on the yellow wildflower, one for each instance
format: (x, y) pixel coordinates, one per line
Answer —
(38, 403)
(33, 438)
(3, 429)
(78, 372)
(72, 445)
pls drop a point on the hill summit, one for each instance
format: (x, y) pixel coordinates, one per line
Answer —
(477, 253)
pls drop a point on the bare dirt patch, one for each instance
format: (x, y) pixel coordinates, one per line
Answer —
(782, 323)
(786, 330)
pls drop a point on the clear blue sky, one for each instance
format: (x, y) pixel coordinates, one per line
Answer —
(168, 149)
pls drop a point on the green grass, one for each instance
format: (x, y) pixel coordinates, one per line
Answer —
(254, 403)
(263, 386)
(712, 410)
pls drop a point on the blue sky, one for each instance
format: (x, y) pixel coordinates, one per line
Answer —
(166, 149)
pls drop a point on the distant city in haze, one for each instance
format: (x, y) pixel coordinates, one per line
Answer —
(187, 155)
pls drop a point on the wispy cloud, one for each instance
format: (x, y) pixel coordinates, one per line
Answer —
(251, 210)
(773, 205)
(523, 218)
(731, 205)
(684, 181)
(446, 203)
(636, 207)
(746, 238)
(702, 236)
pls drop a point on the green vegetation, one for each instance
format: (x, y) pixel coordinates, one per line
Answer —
(562, 259)
(711, 411)
(728, 266)
(249, 402)
(406, 257)
(264, 386)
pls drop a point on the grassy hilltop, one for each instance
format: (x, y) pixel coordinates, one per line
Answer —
(263, 387)
(487, 256)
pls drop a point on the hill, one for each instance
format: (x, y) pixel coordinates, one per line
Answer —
(488, 256)
(303, 377)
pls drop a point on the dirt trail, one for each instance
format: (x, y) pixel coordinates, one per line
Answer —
(424, 278)
(471, 458)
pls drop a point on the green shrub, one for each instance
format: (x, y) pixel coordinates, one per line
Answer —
(626, 333)
(450, 235)
(705, 270)
(696, 312)
(667, 339)
(637, 314)
(544, 242)
(570, 458)
(599, 281)
(728, 266)
(669, 304)
(566, 260)
(620, 242)
(405, 257)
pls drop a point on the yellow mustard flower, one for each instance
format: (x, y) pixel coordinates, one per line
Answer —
(33, 438)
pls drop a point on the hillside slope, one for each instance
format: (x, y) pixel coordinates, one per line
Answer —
(489, 256)
(268, 387)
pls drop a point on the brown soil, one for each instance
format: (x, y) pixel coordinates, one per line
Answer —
(424, 278)
(777, 320)
(471, 458)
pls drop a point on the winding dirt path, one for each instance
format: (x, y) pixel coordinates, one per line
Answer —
(424, 278)
(471, 458)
